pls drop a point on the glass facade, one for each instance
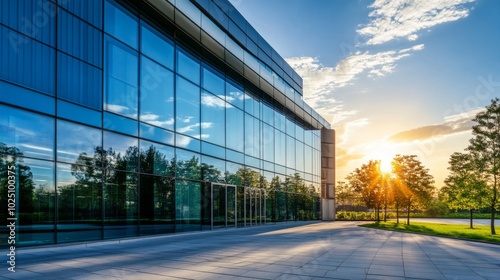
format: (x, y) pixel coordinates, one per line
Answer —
(117, 128)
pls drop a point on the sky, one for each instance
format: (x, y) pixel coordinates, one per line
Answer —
(391, 76)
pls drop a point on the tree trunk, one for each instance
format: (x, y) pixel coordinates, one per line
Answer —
(493, 209)
(385, 212)
(408, 212)
(397, 213)
(471, 225)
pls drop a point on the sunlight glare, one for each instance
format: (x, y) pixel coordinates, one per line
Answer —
(385, 166)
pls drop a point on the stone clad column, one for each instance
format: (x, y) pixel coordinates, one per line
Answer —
(328, 174)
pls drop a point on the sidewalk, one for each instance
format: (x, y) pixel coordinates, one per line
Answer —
(329, 250)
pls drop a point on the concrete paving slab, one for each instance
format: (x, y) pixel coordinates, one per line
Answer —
(320, 250)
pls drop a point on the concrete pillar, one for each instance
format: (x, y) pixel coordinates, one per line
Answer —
(328, 174)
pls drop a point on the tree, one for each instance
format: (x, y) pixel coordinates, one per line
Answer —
(486, 144)
(387, 192)
(415, 182)
(465, 187)
(344, 193)
(367, 181)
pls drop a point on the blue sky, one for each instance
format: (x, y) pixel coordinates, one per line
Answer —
(392, 77)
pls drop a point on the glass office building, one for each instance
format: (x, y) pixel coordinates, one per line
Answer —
(141, 117)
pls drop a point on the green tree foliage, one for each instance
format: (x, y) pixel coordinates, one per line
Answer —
(25, 187)
(465, 186)
(486, 144)
(345, 193)
(368, 182)
(415, 186)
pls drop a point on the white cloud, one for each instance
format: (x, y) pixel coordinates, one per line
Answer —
(452, 124)
(320, 81)
(212, 101)
(394, 19)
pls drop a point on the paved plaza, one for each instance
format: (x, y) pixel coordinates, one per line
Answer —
(327, 250)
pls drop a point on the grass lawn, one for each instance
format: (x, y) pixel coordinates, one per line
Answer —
(448, 230)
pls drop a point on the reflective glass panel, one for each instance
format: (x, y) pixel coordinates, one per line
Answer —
(121, 79)
(35, 201)
(157, 94)
(120, 151)
(187, 205)
(299, 156)
(234, 173)
(235, 94)
(290, 152)
(120, 23)
(187, 165)
(187, 108)
(213, 119)
(25, 61)
(120, 124)
(78, 38)
(78, 144)
(157, 206)
(79, 82)
(280, 147)
(79, 203)
(157, 159)
(121, 201)
(308, 158)
(268, 142)
(157, 134)
(213, 82)
(157, 46)
(267, 113)
(188, 67)
(27, 133)
(235, 129)
(213, 170)
(250, 132)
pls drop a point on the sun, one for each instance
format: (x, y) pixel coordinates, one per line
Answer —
(385, 165)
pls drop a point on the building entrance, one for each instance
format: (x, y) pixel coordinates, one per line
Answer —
(227, 201)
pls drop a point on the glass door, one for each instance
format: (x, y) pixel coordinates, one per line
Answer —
(224, 206)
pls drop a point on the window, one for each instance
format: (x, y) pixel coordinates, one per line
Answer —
(156, 46)
(33, 18)
(268, 143)
(121, 24)
(213, 82)
(26, 62)
(212, 169)
(213, 119)
(79, 82)
(78, 144)
(121, 201)
(79, 39)
(188, 67)
(187, 108)
(120, 152)
(90, 10)
(121, 73)
(157, 94)
(252, 136)
(188, 165)
(36, 194)
(32, 134)
(235, 129)
(290, 152)
(187, 205)
(280, 147)
(157, 159)
(157, 206)
(235, 94)
(79, 203)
